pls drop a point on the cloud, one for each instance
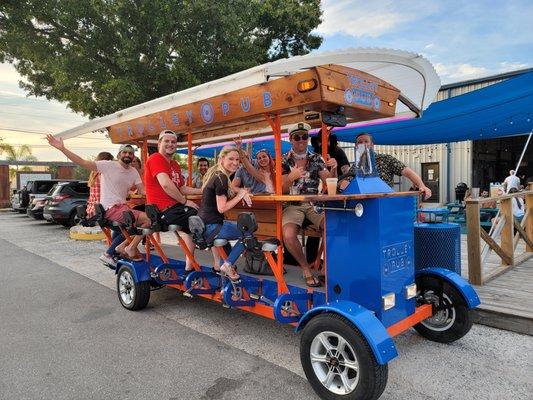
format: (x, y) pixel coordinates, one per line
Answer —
(369, 19)
(511, 66)
(460, 71)
(8, 74)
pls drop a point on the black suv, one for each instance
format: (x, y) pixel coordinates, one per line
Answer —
(60, 205)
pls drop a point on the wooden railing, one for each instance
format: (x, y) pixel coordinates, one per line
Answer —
(506, 226)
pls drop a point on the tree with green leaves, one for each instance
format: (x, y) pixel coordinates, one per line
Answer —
(100, 56)
(22, 153)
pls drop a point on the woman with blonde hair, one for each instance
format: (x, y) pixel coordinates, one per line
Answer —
(219, 197)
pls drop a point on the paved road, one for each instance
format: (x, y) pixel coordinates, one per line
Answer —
(63, 335)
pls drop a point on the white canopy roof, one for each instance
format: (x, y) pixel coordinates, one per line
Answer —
(412, 74)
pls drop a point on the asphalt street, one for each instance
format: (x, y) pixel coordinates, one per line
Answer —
(63, 335)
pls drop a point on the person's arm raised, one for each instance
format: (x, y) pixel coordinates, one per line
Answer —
(250, 167)
(76, 159)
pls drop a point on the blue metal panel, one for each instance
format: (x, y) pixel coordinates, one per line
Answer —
(141, 269)
(369, 184)
(466, 290)
(372, 255)
(370, 327)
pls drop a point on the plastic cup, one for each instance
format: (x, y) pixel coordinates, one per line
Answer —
(332, 185)
(475, 193)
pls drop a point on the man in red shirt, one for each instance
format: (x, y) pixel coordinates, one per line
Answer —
(166, 188)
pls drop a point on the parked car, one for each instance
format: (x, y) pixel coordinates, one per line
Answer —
(35, 209)
(37, 189)
(60, 205)
(15, 200)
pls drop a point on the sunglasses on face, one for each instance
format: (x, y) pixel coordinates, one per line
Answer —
(303, 136)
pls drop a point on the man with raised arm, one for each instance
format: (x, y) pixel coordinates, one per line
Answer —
(166, 188)
(117, 177)
(302, 172)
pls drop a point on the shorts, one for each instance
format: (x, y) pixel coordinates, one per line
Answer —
(116, 213)
(296, 214)
(178, 214)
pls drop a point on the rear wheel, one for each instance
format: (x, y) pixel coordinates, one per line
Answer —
(452, 319)
(73, 219)
(132, 295)
(338, 361)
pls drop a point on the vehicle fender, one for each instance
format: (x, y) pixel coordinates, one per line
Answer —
(466, 289)
(365, 321)
(141, 270)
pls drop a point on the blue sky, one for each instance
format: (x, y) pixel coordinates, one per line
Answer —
(463, 40)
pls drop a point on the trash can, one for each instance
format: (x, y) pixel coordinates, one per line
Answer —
(437, 244)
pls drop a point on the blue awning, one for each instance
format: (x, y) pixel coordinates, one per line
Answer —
(267, 144)
(502, 109)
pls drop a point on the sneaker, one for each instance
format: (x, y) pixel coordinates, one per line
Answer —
(108, 261)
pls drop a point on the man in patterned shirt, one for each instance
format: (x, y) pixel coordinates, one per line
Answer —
(302, 172)
(388, 166)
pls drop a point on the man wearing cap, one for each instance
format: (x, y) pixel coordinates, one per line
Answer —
(388, 166)
(165, 187)
(302, 172)
(117, 177)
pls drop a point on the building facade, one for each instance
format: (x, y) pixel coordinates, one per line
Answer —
(477, 163)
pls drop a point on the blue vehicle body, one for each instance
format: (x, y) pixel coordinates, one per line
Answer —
(368, 256)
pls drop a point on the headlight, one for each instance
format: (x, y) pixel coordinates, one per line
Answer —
(388, 301)
(410, 291)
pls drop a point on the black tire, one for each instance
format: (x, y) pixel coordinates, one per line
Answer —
(73, 219)
(453, 320)
(132, 295)
(368, 383)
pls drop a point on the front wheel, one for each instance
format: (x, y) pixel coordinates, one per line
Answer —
(132, 295)
(338, 361)
(451, 319)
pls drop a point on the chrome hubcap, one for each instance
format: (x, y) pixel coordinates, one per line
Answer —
(334, 363)
(442, 319)
(126, 287)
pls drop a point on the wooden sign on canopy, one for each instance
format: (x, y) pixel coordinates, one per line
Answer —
(322, 88)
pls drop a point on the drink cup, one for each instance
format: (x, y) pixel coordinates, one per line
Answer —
(332, 185)
(475, 193)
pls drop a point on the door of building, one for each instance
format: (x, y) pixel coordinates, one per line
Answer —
(430, 177)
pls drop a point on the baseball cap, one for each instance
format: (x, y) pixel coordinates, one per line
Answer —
(167, 132)
(299, 127)
(126, 147)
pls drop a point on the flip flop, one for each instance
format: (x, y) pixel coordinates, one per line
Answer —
(312, 281)
(230, 273)
(132, 257)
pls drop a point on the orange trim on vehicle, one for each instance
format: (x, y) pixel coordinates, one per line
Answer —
(421, 313)
(189, 157)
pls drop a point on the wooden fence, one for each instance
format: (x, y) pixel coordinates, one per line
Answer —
(506, 228)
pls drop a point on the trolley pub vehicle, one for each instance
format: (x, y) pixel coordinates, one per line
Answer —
(372, 290)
